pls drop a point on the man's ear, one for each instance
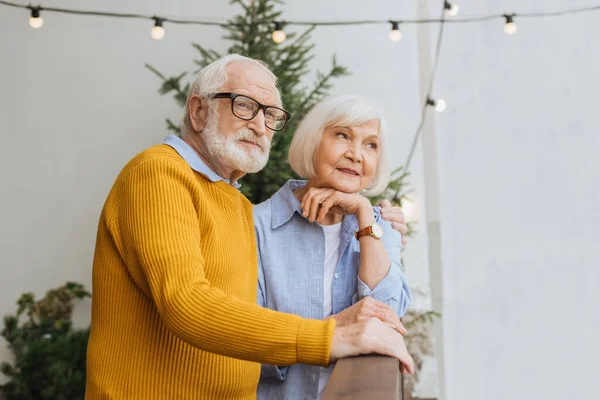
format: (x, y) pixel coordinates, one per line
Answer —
(198, 110)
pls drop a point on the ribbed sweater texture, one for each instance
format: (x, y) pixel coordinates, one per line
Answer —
(174, 291)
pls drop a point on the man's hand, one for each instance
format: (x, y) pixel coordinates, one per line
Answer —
(368, 337)
(395, 215)
(368, 308)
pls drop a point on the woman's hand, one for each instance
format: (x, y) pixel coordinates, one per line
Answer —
(317, 202)
(369, 308)
(395, 215)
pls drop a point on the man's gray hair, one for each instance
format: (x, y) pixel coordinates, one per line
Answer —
(208, 81)
(340, 110)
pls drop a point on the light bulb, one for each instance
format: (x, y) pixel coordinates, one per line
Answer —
(453, 10)
(278, 34)
(440, 105)
(510, 28)
(35, 20)
(395, 33)
(158, 32)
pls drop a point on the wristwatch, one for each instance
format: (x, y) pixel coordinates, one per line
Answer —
(374, 230)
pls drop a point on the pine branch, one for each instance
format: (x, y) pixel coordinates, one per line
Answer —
(172, 127)
(322, 85)
(151, 68)
(172, 84)
(208, 56)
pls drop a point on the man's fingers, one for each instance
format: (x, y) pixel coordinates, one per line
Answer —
(391, 320)
(393, 212)
(410, 365)
(405, 370)
(403, 229)
(384, 203)
(386, 314)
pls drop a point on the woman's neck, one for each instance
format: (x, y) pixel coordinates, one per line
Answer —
(330, 218)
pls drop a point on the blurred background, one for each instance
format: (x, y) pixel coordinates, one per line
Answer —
(503, 186)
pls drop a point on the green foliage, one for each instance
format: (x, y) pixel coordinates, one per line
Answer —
(250, 35)
(49, 355)
(396, 192)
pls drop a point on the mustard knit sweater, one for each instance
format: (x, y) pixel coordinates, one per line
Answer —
(174, 291)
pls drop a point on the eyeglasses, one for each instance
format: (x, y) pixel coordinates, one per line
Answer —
(246, 108)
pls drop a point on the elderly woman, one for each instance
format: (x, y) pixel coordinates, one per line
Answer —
(324, 250)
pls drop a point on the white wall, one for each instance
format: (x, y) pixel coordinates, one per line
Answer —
(520, 188)
(76, 103)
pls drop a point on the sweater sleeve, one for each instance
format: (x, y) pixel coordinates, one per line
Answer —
(159, 234)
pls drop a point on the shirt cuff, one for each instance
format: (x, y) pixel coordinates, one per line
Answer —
(389, 288)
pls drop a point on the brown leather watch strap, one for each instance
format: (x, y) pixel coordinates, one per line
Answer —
(363, 232)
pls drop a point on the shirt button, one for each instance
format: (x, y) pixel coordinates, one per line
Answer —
(336, 275)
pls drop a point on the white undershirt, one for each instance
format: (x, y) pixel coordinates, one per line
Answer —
(332, 256)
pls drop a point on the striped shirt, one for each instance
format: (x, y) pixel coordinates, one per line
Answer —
(291, 279)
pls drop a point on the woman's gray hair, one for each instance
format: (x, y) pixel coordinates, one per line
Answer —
(341, 110)
(208, 81)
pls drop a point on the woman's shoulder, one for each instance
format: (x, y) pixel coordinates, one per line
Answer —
(262, 212)
(279, 207)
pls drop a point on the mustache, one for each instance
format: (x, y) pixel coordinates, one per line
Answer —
(250, 136)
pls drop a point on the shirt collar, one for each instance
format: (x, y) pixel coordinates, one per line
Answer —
(284, 204)
(194, 160)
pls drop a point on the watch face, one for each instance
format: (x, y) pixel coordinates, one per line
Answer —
(377, 230)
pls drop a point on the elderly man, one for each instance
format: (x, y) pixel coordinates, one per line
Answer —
(175, 267)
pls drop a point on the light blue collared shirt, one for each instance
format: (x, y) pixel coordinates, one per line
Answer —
(194, 160)
(291, 279)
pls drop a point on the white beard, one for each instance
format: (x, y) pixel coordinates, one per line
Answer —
(228, 150)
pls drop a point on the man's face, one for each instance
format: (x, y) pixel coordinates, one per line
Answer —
(239, 144)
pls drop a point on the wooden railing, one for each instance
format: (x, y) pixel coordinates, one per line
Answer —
(365, 377)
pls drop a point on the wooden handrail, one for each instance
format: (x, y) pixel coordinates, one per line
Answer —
(365, 377)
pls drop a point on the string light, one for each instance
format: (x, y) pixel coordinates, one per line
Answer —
(158, 32)
(278, 34)
(451, 8)
(36, 21)
(395, 33)
(510, 28)
(439, 105)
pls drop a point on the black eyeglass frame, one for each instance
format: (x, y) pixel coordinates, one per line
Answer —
(232, 96)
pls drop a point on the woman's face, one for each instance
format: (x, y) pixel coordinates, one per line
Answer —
(346, 159)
